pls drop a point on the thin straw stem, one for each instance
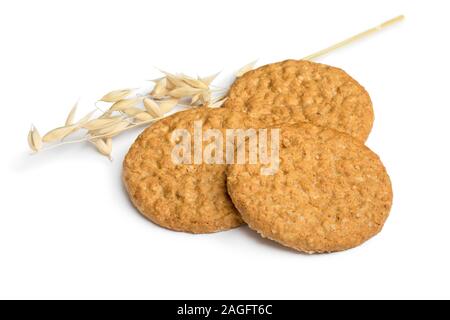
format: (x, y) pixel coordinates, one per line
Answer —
(355, 38)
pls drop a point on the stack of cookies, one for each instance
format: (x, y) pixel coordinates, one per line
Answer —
(329, 192)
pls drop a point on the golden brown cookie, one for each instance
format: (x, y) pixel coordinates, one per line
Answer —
(184, 197)
(331, 193)
(294, 91)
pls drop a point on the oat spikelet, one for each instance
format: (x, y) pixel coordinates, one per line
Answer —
(194, 83)
(160, 89)
(116, 95)
(173, 81)
(183, 92)
(125, 104)
(113, 129)
(152, 107)
(169, 86)
(132, 111)
(143, 116)
(58, 133)
(167, 105)
(103, 147)
(71, 117)
(97, 124)
(34, 139)
(109, 142)
(246, 69)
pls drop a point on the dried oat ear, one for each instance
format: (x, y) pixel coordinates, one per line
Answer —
(126, 110)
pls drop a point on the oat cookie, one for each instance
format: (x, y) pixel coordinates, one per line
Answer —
(330, 194)
(293, 91)
(191, 198)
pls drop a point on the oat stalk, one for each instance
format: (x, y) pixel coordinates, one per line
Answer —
(127, 111)
(355, 38)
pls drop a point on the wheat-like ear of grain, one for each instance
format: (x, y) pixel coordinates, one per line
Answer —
(115, 96)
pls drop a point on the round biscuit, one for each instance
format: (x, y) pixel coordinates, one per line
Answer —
(185, 197)
(301, 91)
(330, 193)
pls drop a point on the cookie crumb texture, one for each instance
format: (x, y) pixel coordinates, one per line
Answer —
(331, 193)
(292, 91)
(189, 198)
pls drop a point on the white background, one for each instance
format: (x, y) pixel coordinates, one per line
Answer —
(67, 229)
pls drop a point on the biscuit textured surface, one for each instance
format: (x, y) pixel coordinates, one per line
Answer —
(294, 91)
(331, 193)
(190, 198)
